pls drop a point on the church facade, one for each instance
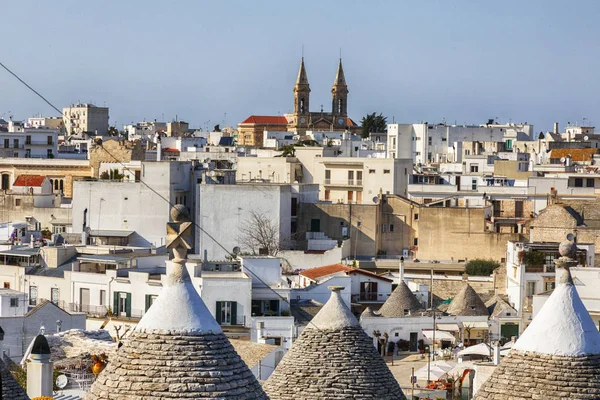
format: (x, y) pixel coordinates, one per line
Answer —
(250, 131)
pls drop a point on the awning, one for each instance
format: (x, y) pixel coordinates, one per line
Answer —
(448, 327)
(111, 233)
(439, 335)
(481, 349)
(476, 325)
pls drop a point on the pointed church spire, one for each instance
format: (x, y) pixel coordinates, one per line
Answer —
(302, 78)
(340, 79)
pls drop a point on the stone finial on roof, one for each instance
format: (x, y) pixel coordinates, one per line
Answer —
(401, 301)
(177, 350)
(333, 359)
(467, 303)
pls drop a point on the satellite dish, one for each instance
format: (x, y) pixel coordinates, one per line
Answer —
(88, 230)
(212, 173)
(376, 199)
(570, 237)
(563, 159)
(586, 138)
(236, 250)
(61, 381)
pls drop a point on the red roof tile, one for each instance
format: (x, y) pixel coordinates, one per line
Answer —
(168, 150)
(265, 120)
(29, 180)
(319, 272)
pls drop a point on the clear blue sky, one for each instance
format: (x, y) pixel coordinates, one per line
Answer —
(465, 61)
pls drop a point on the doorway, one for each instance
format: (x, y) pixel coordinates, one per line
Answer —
(84, 299)
(413, 342)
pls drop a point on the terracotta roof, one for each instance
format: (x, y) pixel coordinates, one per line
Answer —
(265, 120)
(29, 180)
(576, 154)
(349, 122)
(168, 150)
(319, 272)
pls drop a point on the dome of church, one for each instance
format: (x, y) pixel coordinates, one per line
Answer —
(401, 303)
(177, 351)
(467, 303)
(557, 357)
(333, 359)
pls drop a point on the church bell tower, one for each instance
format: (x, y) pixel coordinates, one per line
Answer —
(339, 97)
(301, 98)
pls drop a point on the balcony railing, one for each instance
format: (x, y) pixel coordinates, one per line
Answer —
(343, 182)
(366, 296)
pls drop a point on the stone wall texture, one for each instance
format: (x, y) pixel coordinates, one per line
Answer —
(333, 365)
(544, 377)
(163, 366)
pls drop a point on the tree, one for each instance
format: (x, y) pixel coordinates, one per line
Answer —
(373, 123)
(260, 235)
(481, 267)
(112, 131)
(288, 150)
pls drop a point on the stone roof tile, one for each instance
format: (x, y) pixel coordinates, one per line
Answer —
(333, 360)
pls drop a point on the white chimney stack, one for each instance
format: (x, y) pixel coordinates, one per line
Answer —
(40, 371)
(496, 350)
(556, 128)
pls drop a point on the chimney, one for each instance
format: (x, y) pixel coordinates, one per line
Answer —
(555, 128)
(158, 150)
(401, 271)
(40, 370)
(496, 350)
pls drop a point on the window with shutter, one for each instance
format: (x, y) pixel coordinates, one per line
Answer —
(234, 313)
(218, 316)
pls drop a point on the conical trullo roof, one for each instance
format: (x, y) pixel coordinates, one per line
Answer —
(10, 387)
(557, 357)
(177, 351)
(401, 301)
(467, 303)
(333, 359)
(368, 313)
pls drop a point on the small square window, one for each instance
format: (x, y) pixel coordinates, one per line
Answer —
(397, 334)
(18, 202)
(391, 227)
(383, 228)
(371, 171)
(416, 217)
(14, 302)
(415, 241)
(386, 171)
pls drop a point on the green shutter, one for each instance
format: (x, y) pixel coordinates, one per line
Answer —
(128, 305)
(148, 300)
(218, 316)
(234, 313)
(116, 303)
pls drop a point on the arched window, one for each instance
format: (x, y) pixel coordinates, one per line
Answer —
(62, 185)
(340, 106)
(302, 105)
(56, 184)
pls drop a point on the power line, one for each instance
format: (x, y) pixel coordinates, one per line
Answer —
(30, 88)
(163, 198)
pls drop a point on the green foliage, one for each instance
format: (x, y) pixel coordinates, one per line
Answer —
(285, 313)
(112, 174)
(373, 123)
(534, 259)
(287, 151)
(481, 267)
